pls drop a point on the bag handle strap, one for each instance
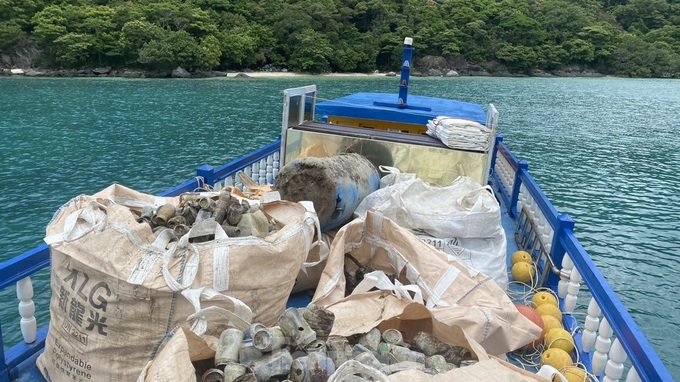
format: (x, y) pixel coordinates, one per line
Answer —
(548, 372)
(193, 259)
(190, 266)
(240, 317)
(79, 223)
(324, 249)
(378, 279)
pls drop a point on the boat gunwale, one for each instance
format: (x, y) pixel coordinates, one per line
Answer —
(647, 363)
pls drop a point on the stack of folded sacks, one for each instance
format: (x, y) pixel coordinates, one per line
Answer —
(458, 133)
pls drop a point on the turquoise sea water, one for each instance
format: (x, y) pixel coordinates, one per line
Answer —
(604, 150)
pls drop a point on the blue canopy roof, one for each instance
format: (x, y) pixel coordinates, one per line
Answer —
(420, 109)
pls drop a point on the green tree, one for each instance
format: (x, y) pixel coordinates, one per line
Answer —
(210, 52)
(157, 54)
(638, 58)
(19, 12)
(519, 28)
(579, 51)
(471, 26)
(138, 32)
(562, 19)
(10, 34)
(643, 14)
(517, 57)
(551, 56)
(134, 35)
(49, 24)
(312, 52)
(669, 34)
(173, 49)
(237, 46)
(74, 49)
(98, 22)
(603, 38)
(248, 46)
(476, 40)
(92, 19)
(348, 57)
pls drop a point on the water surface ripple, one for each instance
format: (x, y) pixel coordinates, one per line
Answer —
(604, 150)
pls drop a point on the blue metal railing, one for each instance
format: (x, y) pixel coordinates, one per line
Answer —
(32, 261)
(206, 174)
(11, 271)
(640, 352)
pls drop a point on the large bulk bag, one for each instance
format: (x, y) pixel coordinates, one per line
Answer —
(394, 261)
(118, 290)
(462, 219)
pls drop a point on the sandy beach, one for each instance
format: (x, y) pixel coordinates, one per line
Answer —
(264, 74)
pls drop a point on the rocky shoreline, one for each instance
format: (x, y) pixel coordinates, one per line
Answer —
(109, 72)
(128, 73)
(427, 67)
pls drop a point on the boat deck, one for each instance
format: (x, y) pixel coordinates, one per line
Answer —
(28, 372)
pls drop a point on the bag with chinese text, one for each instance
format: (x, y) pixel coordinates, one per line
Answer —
(118, 289)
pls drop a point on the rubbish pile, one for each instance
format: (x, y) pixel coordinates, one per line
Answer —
(121, 287)
(300, 349)
(335, 184)
(210, 264)
(236, 215)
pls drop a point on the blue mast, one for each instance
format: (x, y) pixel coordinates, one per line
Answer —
(405, 72)
(406, 64)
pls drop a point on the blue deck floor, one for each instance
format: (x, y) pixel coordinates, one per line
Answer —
(29, 372)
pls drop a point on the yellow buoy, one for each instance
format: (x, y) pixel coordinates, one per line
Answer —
(549, 310)
(559, 338)
(520, 256)
(557, 358)
(550, 322)
(543, 297)
(523, 272)
(575, 374)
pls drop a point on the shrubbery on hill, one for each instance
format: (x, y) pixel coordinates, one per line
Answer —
(633, 37)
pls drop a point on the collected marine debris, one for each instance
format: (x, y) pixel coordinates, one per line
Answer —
(300, 349)
(236, 216)
(335, 185)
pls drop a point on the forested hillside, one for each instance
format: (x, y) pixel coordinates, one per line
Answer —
(622, 37)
